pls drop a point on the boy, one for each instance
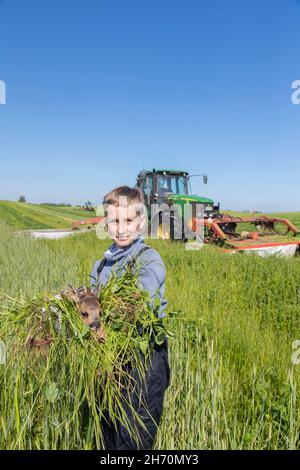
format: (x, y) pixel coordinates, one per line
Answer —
(125, 221)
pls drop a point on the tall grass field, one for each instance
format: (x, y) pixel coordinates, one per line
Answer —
(235, 378)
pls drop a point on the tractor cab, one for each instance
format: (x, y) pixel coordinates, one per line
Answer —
(158, 185)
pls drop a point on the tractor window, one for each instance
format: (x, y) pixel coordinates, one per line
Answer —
(182, 185)
(148, 185)
(171, 184)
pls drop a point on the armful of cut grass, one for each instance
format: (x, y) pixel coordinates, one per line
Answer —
(60, 381)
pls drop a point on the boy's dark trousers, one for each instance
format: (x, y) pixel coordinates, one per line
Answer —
(147, 400)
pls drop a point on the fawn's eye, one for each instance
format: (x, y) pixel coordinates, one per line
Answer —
(84, 314)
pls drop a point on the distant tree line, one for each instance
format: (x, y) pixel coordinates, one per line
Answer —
(86, 206)
(64, 204)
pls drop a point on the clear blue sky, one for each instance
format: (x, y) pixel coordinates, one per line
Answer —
(98, 89)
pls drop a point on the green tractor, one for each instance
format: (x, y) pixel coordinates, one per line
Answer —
(172, 210)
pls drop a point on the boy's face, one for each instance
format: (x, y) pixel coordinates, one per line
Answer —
(124, 224)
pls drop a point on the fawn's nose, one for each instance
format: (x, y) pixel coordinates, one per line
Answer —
(95, 324)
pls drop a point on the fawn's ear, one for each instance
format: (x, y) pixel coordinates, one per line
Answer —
(71, 294)
(95, 291)
(83, 292)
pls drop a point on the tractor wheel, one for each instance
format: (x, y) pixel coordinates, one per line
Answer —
(166, 231)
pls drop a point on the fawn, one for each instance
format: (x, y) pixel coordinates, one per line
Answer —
(88, 306)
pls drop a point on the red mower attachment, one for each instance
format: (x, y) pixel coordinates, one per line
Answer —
(87, 222)
(261, 234)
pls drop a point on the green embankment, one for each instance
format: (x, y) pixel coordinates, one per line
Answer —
(43, 216)
(38, 216)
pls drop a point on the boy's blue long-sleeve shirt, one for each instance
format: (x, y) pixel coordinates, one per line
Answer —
(151, 268)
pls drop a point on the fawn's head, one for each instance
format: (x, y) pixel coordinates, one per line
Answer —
(87, 304)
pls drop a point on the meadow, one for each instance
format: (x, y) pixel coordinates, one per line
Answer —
(234, 385)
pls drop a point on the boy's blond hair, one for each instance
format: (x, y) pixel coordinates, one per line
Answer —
(127, 194)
